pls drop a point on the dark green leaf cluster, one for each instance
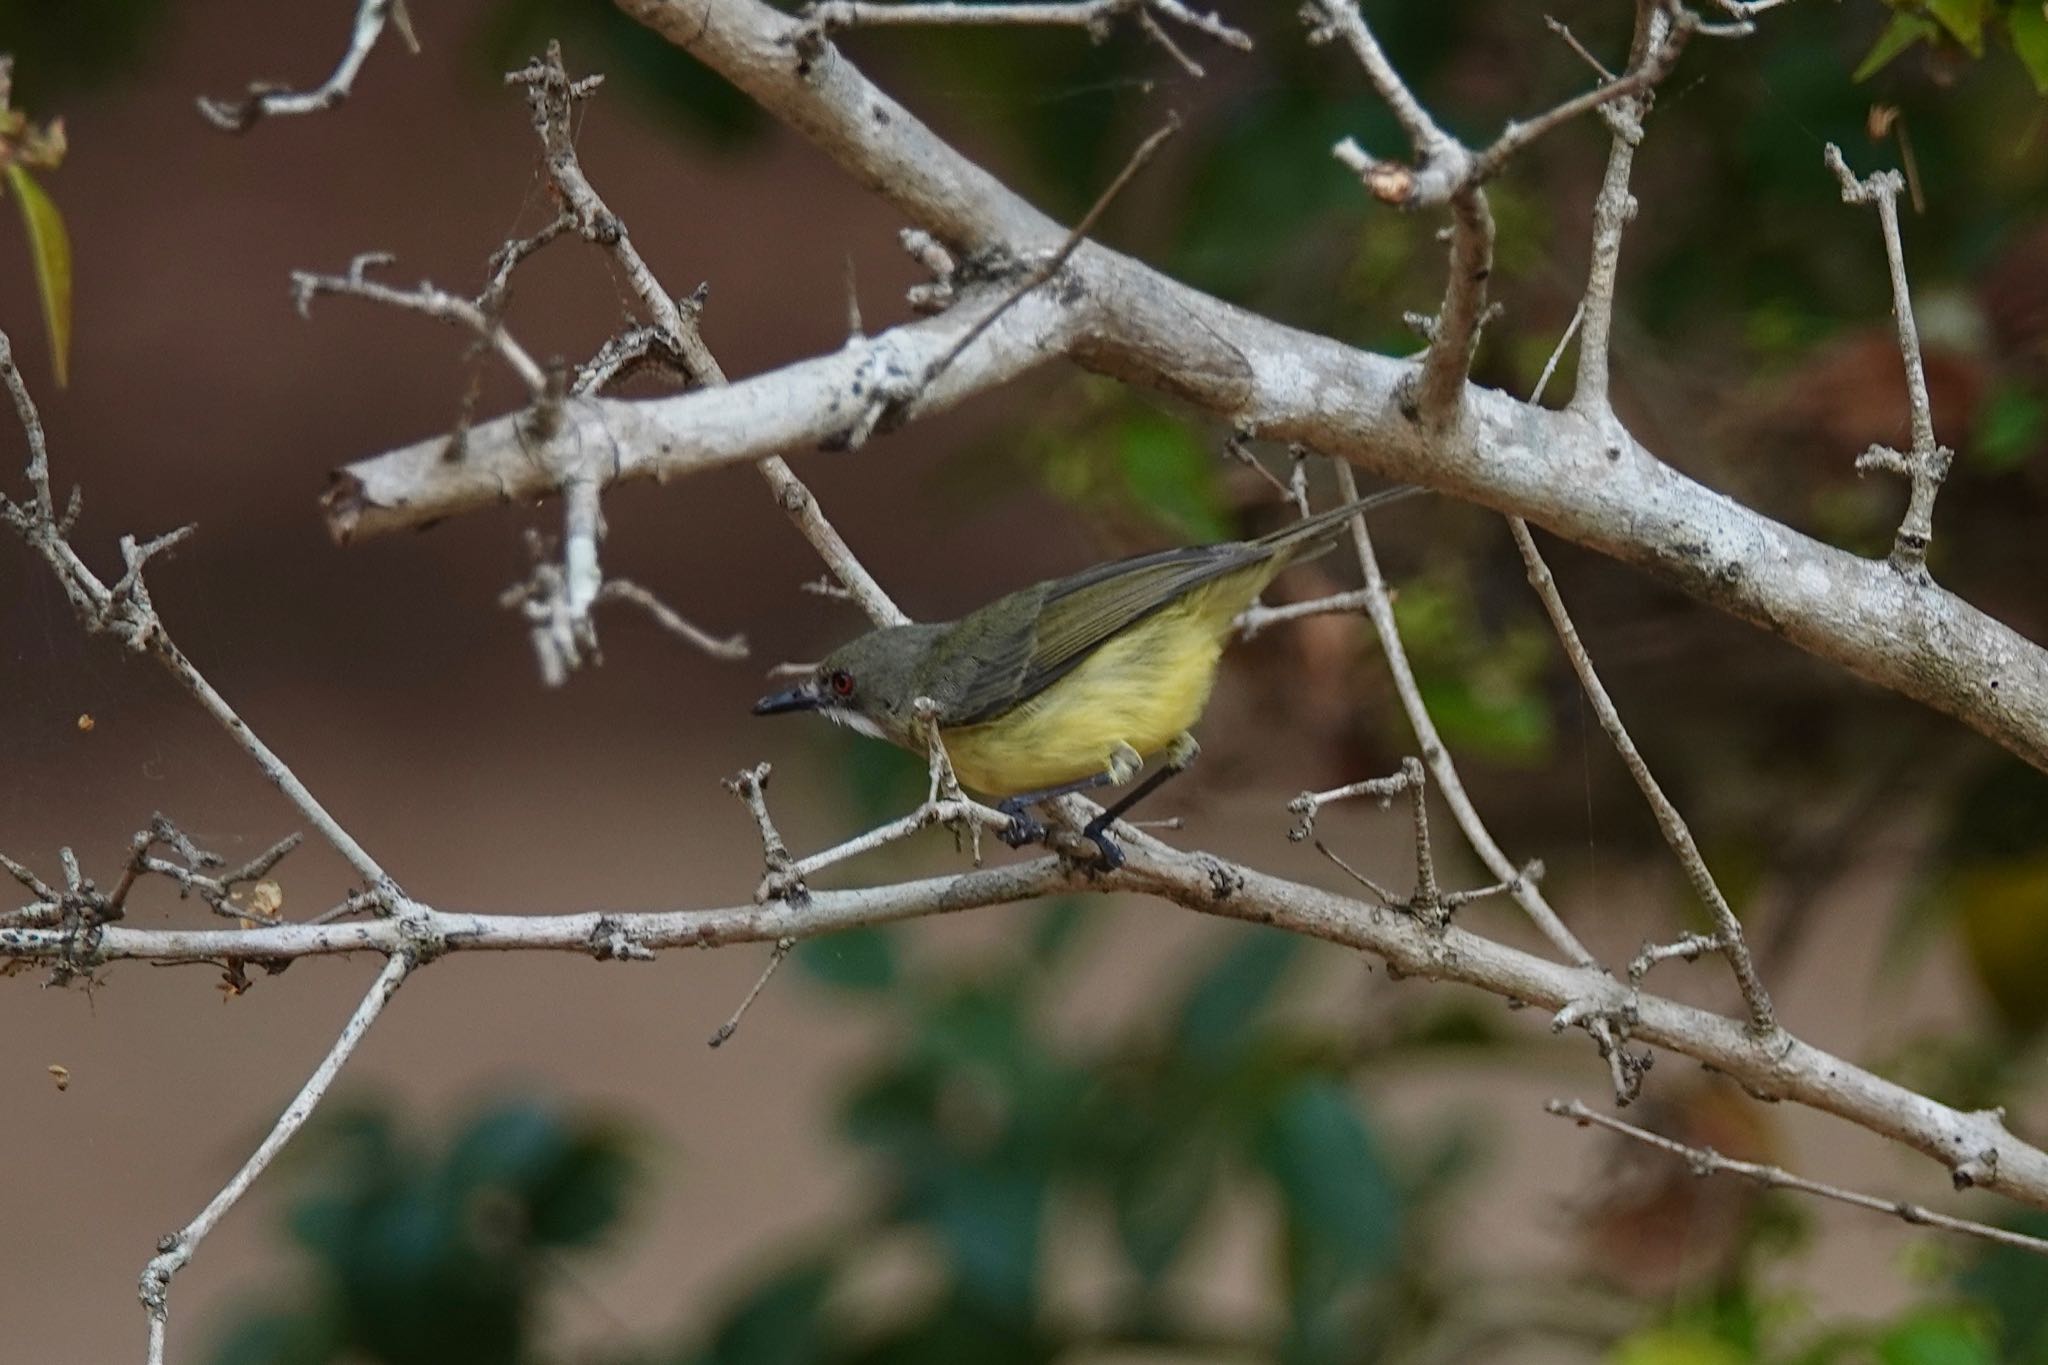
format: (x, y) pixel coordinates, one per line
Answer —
(422, 1257)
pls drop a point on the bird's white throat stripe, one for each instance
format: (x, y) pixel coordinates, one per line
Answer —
(854, 720)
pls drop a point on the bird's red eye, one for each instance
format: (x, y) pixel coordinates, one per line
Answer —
(842, 683)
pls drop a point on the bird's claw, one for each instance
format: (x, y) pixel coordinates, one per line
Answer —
(1112, 853)
(1021, 830)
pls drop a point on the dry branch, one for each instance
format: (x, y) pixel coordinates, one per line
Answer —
(265, 99)
(1584, 480)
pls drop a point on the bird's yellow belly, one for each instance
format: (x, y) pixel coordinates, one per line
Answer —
(1142, 688)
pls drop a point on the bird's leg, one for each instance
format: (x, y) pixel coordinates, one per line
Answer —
(1022, 829)
(1124, 764)
(1180, 755)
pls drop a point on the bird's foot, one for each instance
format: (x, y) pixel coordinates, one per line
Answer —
(1112, 853)
(1022, 829)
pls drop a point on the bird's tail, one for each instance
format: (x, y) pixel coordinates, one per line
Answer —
(1312, 535)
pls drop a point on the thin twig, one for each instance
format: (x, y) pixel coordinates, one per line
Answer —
(1093, 15)
(1728, 929)
(1613, 208)
(1927, 462)
(1429, 903)
(551, 94)
(129, 616)
(425, 298)
(1441, 161)
(783, 881)
(1258, 616)
(264, 100)
(1728, 937)
(1051, 266)
(175, 1250)
(1705, 1161)
(1380, 610)
(731, 1026)
(623, 590)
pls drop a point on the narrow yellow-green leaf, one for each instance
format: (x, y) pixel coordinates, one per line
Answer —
(1964, 19)
(50, 251)
(1901, 33)
(2028, 21)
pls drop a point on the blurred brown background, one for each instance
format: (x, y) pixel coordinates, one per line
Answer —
(387, 676)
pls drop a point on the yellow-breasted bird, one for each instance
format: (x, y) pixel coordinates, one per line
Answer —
(1068, 684)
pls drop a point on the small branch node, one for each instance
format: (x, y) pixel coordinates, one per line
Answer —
(783, 881)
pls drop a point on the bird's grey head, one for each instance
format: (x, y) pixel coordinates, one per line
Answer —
(868, 684)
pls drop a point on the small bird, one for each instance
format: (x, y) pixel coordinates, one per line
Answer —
(1067, 685)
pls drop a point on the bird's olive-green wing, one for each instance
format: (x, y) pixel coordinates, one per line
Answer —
(1017, 646)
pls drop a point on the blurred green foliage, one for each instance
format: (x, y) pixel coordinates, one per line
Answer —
(420, 1256)
(990, 1146)
(979, 1128)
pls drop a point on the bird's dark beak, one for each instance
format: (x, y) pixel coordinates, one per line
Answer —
(803, 697)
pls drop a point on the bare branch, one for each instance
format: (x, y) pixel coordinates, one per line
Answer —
(1705, 1161)
(782, 881)
(1926, 464)
(564, 636)
(264, 99)
(1613, 209)
(817, 402)
(732, 647)
(1445, 174)
(425, 298)
(551, 94)
(1728, 929)
(1571, 41)
(1060, 257)
(175, 1250)
(1258, 616)
(731, 1026)
(1429, 904)
(1974, 1147)
(1598, 487)
(1096, 16)
(125, 612)
(1379, 609)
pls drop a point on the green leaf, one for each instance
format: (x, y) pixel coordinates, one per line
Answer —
(2009, 1284)
(2027, 22)
(1172, 475)
(2013, 427)
(1964, 19)
(1676, 1346)
(569, 1180)
(1218, 1015)
(1938, 1337)
(1338, 1191)
(1901, 33)
(286, 1338)
(50, 252)
(990, 1216)
(1055, 927)
(777, 1324)
(1162, 1195)
(1506, 727)
(860, 959)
